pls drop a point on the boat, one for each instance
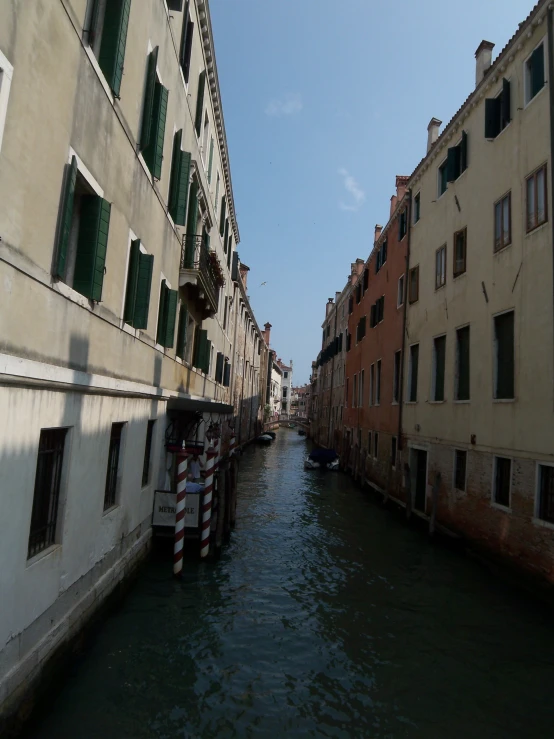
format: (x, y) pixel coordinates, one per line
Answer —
(264, 439)
(301, 432)
(271, 433)
(322, 459)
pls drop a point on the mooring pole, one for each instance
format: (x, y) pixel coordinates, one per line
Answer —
(182, 465)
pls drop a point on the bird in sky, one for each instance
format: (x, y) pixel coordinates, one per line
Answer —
(263, 283)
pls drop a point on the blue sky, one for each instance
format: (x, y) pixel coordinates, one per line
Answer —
(324, 104)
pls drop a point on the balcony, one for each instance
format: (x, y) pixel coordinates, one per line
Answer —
(201, 271)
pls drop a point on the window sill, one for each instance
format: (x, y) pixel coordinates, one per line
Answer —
(462, 402)
(399, 306)
(503, 248)
(394, 402)
(543, 524)
(41, 555)
(536, 228)
(500, 507)
(93, 60)
(436, 402)
(411, 302)
(503, 400)
(410, 402)
(498, 135)
(111, 509)
(530, 102)
(460, 274)
(458, 490)
(440, 287)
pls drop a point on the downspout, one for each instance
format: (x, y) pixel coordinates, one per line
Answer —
(404, 321)
(550, 16)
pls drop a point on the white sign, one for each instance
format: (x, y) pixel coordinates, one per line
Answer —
(164, 509)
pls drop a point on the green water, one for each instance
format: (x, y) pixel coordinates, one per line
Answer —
(325, 617)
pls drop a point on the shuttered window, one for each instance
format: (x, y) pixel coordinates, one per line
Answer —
(112, 471)
(412, 377)
(537, 211)
(92, 245)
(504, 355)
(460, 252)
(222, 216)
(179, 181)
(200, 102)
(534, 73)
(413, 285)
(210, 160)
(154, 116)
(66, 217)
(442, 178)
(498, 111)
(139, 281)
(186, 42)
(108, 26)
(456, 161)
(202, 351)
(219, 367)
(182, 331)
(503, 222)
(235, 269)
(166, 316)
(462, 363)
(439, 358)
(226, 374)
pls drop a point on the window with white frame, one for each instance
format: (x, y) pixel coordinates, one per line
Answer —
(440, 267)
(400, 293)
(6, 72)
(534, 73)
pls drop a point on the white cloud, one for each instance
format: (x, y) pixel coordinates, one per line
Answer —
(290, 104)
(352, 187)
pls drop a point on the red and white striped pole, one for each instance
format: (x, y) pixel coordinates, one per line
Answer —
(207, 506)
(182, 465)
(232, 444)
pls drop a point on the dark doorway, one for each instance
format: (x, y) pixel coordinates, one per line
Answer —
(419, 478)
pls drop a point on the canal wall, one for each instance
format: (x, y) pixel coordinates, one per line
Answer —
(30, 657)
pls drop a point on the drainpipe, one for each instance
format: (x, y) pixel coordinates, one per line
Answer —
(404, 319)
(550, 16)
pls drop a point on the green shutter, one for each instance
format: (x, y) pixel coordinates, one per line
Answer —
(537, 70)
(206, 241)
(219, 368)
(453, 164)
(222, 216)
(207, 355)
(506, 103)
(230, 252)
(492, 117)
(175, 175)
(91, 247)
(153, 153)
(66, 216)
(144, 283)
(182, 331)
(171, 314)
(192, 221)
(210, 161)
(463, 152)
(201, 341)
(200, 102)
(162, 311)
(227, 375)
(132, 276)
(183, 189)
(226, 236)
(114, 38)
(148, 106)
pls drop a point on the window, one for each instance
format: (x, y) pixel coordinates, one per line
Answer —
(6, 73)
(186, 43)
(154, 113)
(220, 368)
(400, 292)
(366, 279)
(139, 280)
(378, 384)
(361, 389)
(286, 375)
(46, 495)
(217, 183)
(200, 102)
(439, 358)
(456, 161)
(537, 212)
(546, 493)
(82, 239)
(503, 222)
(402, 224)
(355, 393)
(396, 377)
(504, 355)
(497, 112)
(204, 146)
(350, 305)
(460, 251)
(369, 447)
(381, 256)
(178, 181)
(462, 364)
(147, 453)
(412, 374)
(375, 444)
(502, 481)
(372, 384)
(417, 207)
(443, 182)
(358, 293)
(393, 452)
(360, 329)
(413, 287)
(460, 463)
(166, 316)
(112, 473)
(377, 312)
(534, 73)
(107, 35)
(182, 332)
(440, 267)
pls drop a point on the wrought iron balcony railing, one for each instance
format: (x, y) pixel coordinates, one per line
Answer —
(195, 255)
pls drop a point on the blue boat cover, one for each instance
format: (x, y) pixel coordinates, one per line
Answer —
(323, 456)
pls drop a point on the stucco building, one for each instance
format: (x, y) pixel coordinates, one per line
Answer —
(286, 388)
(119, 275)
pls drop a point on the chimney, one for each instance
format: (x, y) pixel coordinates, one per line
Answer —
(329, 306)
(401, 186)
(244, 270)
(393, 204)
(267, 332)
(483, 57)
(432, 132)
(378, 230)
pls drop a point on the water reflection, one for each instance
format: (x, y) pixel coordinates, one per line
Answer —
(325, 617)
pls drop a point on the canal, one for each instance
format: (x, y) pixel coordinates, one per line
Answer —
(326, 616)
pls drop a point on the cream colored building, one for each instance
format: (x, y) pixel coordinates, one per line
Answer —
(478, 353)
(118, 235)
